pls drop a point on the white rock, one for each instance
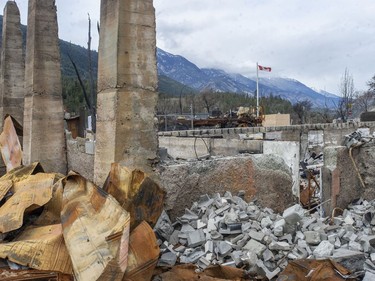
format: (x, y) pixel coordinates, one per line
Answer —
(324, 249)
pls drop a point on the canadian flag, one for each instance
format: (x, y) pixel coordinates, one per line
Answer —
(264, 68)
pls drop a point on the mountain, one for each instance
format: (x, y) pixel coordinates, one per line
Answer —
(187, 73)
(178, 75)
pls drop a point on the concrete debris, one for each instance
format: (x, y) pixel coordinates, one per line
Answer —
(217, 233)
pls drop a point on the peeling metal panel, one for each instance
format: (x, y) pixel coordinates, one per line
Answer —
(29, 194)
(137, 193)
(41, 248)
(96, 231)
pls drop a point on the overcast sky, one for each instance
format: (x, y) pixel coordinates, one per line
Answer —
(311, 41)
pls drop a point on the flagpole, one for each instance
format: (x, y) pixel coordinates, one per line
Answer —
(257, 90)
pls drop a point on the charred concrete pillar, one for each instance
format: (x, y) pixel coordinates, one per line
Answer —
(127, 82)
(12, 74)
(44, 138)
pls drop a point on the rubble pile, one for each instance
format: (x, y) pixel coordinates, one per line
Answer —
(225, 230)
(57, 227)
(310, 176)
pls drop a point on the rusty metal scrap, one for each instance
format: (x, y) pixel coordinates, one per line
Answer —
(22, 172)
(137, 193)
(24, 275)
(52, 210)
(314, 270)
(41, 248)
(29, 194)
(96, 231)
(5, 186)
(143, 254)
(10, 145)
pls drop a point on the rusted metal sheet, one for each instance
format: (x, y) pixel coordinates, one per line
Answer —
(10, 146)
(52, 210)
(137, 193)
(314, 270)
(41, 248)
(5, 186)
(216, 273)
(143, 254)
(96, 231)
(36, 275)
(22, 172)
(29, 194)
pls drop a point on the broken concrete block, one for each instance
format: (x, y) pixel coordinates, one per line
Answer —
(250, 258)
(167, 259)
(324, 250)
(352, 260)
(369, 276)
(298, 253)
(203, 263)
(287, 237)
(312, 237)
(299, 236)
(268, 255)
(279, 246)
(236, 256)
(215, 235)
(266, 222)
(196, 238)
(211, 225)
(246, 226)
(209, 247)
(257, 235)
(294, 214)
(192, 256)
(224, 248)
(269, 274)
(355, 246)
(255, 247)
(186, 228)
(278, 231)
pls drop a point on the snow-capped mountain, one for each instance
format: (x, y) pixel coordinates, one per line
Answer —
(180, 69)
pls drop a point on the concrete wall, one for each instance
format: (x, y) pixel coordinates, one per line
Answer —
(78, 160)
(290, 153)
(192, 148)
(262, 177)
(333, 133)
(341, 183)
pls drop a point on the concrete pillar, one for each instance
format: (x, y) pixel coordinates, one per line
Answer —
(12, 73)
(44, 138)
(127, 83)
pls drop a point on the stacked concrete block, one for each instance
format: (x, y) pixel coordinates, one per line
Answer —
(226, 230)
(12, 73)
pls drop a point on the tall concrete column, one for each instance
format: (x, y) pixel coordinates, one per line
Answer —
(127, 83)
(44, 137)
(12, 73)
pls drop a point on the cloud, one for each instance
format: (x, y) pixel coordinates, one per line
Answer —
(312, 41)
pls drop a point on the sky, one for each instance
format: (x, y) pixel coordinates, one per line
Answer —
(311, 41)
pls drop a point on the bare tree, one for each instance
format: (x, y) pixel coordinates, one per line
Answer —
(209, 100)
(302, 108)
(346, 88)
(363, 100)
